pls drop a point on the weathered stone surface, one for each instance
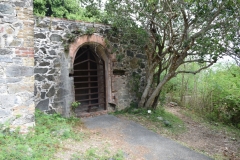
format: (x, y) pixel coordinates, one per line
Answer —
(6, 9)
(43, 50)
(52, 71)
(43, 105)
(4, 113)
(60, 94)
(15, 43)
(24, 120)
(13, 79)
(20, 4)
(5, 51)
(52, 52)
(51, 92)
(52, 111)
(40, 70)
(6, 59)
(39, 77)
(46, 85)
(56, 63)
(44, 64)
(56, 83)
(40, 36)
(43, 95)
(55, 37)
(23, 87)
(130, 53)
(141, 56)
(9, 100)
(17, 71)
(50, 78)
(16, 62)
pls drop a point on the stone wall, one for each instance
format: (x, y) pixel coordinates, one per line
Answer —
(54, 90)
(16, 63)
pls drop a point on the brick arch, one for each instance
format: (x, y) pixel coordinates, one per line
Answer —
(86, 39)
(96, 39)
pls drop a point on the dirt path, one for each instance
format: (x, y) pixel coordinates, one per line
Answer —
(109, 137)
(205, 139)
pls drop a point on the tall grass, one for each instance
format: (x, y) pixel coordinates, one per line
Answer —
(40, 143)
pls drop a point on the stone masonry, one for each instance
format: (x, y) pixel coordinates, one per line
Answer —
(17, 63)
(36, 61)
(54, 90)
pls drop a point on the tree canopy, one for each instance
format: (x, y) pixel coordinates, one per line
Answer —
(86, 10)
(177, 32)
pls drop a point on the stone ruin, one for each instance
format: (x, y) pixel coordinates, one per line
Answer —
(49, 63)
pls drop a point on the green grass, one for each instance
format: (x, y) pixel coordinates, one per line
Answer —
(96, 154)
(151, 120)
(40, 143)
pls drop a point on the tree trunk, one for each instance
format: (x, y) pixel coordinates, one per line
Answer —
(155, 103)
(146, 90)
(157, 90)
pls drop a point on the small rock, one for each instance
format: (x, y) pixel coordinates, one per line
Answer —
(173, 104)
(167, 123)
(160, 118)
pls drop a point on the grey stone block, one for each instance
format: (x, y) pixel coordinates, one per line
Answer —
(51, 92)
(43, 95)
(6, 59)
(2, 81)
(141, 56)
(130, 53)
(13, 80)
(56, 37)
(52, 52)
(44, 64)
(24, 119)
(16, 71)
(40, 70)
(6, 9)
(43, 105)
(50, 77)
(39, 35)
(8, 101)
(20, 4)
(5, 52)
(46, 86)
(39, 77)
(4, 113)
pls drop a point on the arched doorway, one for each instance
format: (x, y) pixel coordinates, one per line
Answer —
(89, 80)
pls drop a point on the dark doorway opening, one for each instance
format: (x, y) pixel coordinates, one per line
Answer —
(89, 80)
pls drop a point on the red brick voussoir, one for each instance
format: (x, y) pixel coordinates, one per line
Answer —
(24, 51)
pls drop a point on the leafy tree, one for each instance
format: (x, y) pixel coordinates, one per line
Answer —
(176, 32)
(87, 10)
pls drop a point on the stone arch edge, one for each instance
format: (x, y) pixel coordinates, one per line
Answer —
(95, 39)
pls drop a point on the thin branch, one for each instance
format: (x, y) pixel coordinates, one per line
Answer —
(195, 72)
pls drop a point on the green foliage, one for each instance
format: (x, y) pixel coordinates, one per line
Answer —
(75, 104)
(70, 9)
(213, 93)
(40, 143)
(94, 153)
(169, 121)
(175, 33)
(119, 57)
(90, 31)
